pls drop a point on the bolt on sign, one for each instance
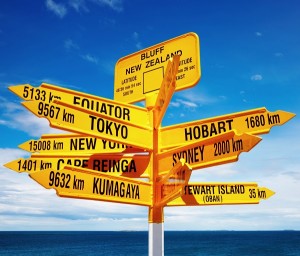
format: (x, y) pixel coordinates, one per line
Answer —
(141, 73)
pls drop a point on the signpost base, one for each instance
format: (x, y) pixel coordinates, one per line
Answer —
(156, 239)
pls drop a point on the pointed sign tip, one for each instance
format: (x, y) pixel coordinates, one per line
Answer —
(24, 146)
(265, 193)
(13, 165)
(284, 116)
(19, 89)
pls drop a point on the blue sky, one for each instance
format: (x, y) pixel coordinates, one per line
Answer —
(250, 58)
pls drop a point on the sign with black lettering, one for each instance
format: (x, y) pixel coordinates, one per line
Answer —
(70, 118)
(209, 193)
(126, 165)
(76, 182)
(74, 143)
(142, 72)
(255, 121)
(220, 149)
(48, 93)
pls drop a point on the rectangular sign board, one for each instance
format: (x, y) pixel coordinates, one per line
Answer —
(142, 72)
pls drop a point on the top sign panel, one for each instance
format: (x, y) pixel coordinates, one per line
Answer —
(142, 72)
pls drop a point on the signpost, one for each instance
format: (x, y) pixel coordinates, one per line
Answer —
(120, 153)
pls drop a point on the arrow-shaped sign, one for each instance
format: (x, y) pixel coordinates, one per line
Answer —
(256, 121)
(127, 165)
(47, 93)
(67, 117)
(200, 194)
(221, 149)
(80, 183)
(75, 143)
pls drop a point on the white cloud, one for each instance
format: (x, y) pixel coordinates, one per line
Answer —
(175, 104)
(258, 33)
(138, 44)
(179, 102)
(69, 45)
(256, 77)
(90, 58)
(17, 117)
(58, 9)
(116, 5)
(25, 205)
(278, 54)
(78, 5)
(193, 95)
(188, 104)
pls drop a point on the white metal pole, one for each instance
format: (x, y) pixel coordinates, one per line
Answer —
(156, 239)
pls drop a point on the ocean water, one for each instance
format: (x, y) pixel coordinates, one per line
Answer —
(46, 243)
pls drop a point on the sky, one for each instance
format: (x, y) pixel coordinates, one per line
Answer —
(250, 58)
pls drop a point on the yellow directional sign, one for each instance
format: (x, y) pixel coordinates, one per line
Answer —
(140, 73)
(166, 90)
(47, 94)
(200, 194)
(80, 183)
(127, 165)
(255, 121)
(221, 149)
(75, 143)
(172, 185)
(67, 117)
